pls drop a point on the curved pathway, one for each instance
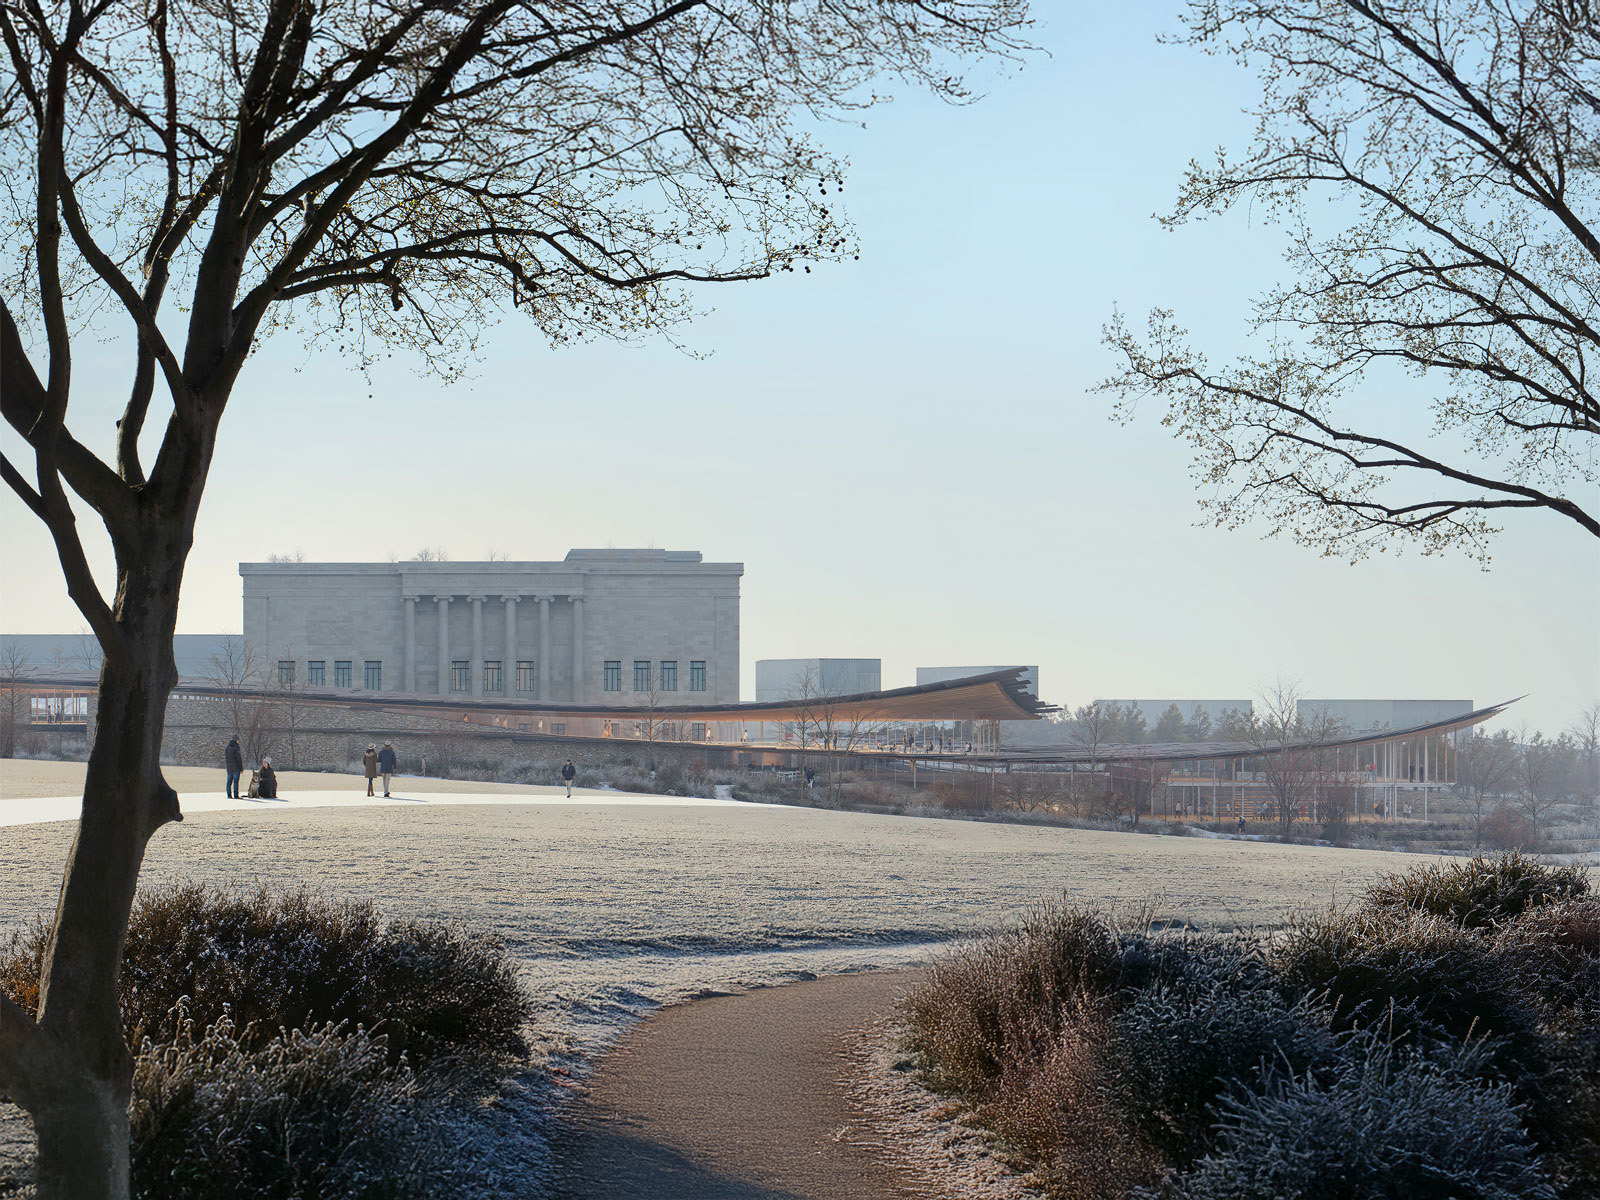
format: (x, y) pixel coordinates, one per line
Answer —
(736, 1098)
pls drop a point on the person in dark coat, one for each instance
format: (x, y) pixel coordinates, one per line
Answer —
(233, 760)
(569, 773)
(267, 780)
(369, 764)
(386, 764)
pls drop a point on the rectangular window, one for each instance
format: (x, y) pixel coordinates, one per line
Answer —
(697, 730)
(491, 675)
(557, 727)
(524, 726)
(341, 672)
(316, 669)
(697, 675)
(641, 674)
(612, 680)
(460, 676)
(374, 675)
(669, 675)
(285, 672)
(525, 678)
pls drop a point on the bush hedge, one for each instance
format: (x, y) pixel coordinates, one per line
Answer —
(1439, 1038)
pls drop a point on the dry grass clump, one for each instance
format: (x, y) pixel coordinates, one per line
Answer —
(1440, 1039)
(293, 1046)
(1478, 892)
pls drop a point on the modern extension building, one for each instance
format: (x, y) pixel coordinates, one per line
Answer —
(779, 679)
(601, 627)
(1364, 716)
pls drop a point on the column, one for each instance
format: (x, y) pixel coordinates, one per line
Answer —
(544, 649)
(443, 603)
(577, 649)
(508, 668)
(410, 680)
(476, 666)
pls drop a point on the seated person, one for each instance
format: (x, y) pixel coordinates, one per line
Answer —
(267, 780)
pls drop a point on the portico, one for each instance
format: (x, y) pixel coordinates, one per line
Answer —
(551, 632)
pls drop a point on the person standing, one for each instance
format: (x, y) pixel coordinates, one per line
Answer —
(369, 764)
(568, 774)
(233, 760)
(386, 765)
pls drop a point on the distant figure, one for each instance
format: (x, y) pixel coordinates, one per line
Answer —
(267, 781)
(424, 766)
(569, 773)
(386, 764)
(369, 764)
(811, 777)
(1241, 822)
(233, 760)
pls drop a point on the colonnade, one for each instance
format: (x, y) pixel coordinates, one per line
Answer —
(508, 670)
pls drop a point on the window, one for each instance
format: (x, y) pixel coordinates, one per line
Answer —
(557, 727)
(669, 675)
(524, 726)
(285, 672)
(612, 681)
(525, 679)
(697, 675)
(341, 672)
(641, 674)
(315, 670)
(697, 730)
(491, 675)
(374, 675)
(460, 676)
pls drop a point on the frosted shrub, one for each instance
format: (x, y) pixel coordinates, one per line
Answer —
(1480, 892)
(306, 1115)
(1418, 1126)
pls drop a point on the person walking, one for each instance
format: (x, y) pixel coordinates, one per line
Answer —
(568, 774)
(233, 760)
(369, 764)
(386, 764)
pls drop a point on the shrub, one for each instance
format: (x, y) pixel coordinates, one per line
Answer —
(307, 1114)
(995, 1000)
(1418, 1126)
(274, 960)
(1480, 892)
(1215, 1024)
(1505, 828)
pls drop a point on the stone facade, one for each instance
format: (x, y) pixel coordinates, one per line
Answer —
(575, 631)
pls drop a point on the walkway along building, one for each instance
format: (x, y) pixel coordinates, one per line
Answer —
(601, 627)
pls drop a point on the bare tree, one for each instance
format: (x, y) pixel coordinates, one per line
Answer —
(370, 175)
(292, 556)
(651, 726)
(1539, 774)
(1289, 749)
(1461, 139)
(1484, 767)
(434, 554)
(238, 672)
(16, 694)
(1091, 729)
(1585, 735)
(826, 720)
(287, 706)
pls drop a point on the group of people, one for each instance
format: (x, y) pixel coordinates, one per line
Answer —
(263, 780)
(378, 762)
(375, 762)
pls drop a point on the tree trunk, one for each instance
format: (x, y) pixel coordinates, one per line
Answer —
(80, 1111)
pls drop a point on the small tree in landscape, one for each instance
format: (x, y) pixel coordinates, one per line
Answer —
(237, 672)
(1541, 774)
(1435, 169)
(1585, 735)
(364, 175)
(1289, 746)
(16, 696)
(1483, 768)
(837, 728)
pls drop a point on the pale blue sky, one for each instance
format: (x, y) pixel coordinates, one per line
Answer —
(902, 450)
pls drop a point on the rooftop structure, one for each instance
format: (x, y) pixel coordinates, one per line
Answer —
(1030, 675)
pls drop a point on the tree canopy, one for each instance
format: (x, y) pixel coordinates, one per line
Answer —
(1426, 367)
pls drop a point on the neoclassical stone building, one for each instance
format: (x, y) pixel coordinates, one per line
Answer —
(600, 627)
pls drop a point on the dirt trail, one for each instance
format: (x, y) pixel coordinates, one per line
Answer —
(736, 1098)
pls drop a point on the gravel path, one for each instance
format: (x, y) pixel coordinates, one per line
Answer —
(737, 1098)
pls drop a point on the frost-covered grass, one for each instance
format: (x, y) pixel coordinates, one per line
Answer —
(1440, 1038)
